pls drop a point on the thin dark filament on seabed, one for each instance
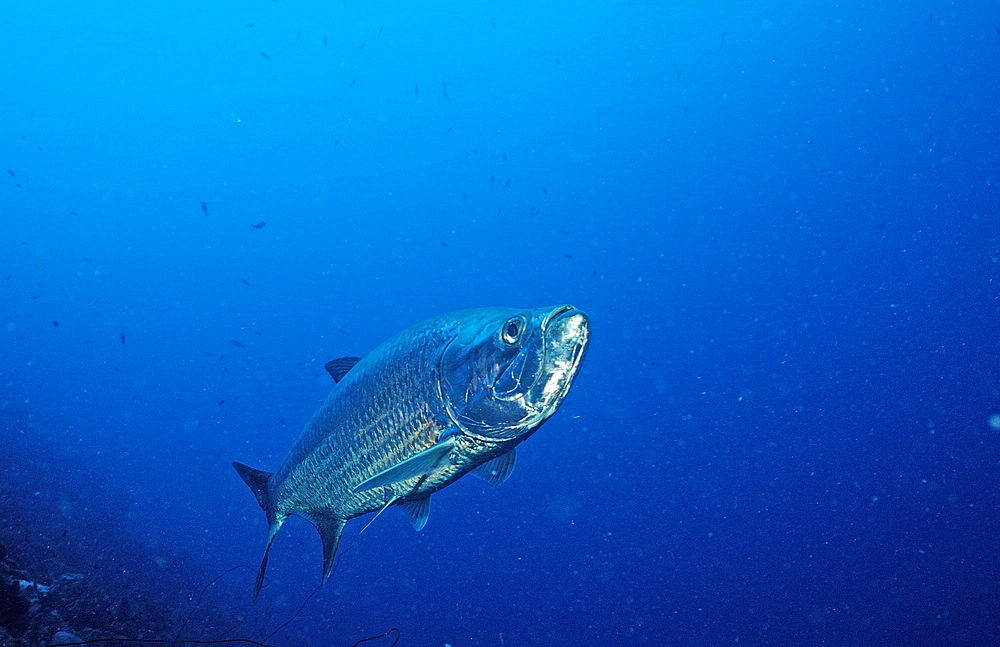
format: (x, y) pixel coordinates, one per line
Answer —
(388, 633)
(201, 596)
(336, 564)
(303, 606)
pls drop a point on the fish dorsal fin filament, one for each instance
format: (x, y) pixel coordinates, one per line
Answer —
(417, 511)
(497, 470)
(338, 368)
(426, 462)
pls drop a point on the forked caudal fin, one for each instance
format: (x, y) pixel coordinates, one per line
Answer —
(259, 582)
(257, 480)
(330, 528)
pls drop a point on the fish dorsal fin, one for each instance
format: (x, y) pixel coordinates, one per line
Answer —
(426, 462)
(338, 368)
(417, 511)
(497, 470)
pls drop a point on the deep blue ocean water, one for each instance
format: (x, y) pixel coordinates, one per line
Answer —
(782, 217)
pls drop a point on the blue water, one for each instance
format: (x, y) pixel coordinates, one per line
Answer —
(782, 217)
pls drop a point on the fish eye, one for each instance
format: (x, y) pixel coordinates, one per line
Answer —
(511, 330)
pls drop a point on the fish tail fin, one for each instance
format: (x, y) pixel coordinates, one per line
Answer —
(259, 582)
(330, 529)
(257, 481)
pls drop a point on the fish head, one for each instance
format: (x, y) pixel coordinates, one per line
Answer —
(507, 370)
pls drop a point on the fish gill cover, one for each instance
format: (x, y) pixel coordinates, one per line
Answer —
(781, 217)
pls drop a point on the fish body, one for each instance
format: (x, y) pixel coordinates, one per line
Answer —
(450, 395)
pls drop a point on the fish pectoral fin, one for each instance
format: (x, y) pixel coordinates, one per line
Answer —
(426, 462)
(497, 470)
(417, 511)
(338, 368)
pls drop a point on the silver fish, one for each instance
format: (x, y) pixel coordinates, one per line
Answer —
(451, 395)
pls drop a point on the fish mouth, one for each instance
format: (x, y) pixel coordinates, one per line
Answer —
(567, 335)
(567, 328)
(557, 312)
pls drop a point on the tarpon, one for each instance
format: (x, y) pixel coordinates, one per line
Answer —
(451, 395)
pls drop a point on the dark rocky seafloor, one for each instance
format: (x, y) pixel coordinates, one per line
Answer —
(33, 609)
(66, 567)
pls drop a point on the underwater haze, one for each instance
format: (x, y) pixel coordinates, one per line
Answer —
(783, 219)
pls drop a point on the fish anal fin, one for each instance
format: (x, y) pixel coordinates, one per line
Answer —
(338, 368)
(417, 511)
(426, 462)
(330, 529)
(257, 481)
(496, 471)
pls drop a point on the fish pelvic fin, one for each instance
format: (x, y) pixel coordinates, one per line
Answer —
(257, 481)
(417, 511)
(426, 462)
(496, 471)
(330, 529)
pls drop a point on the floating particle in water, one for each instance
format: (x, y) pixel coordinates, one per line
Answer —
(995, 422)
